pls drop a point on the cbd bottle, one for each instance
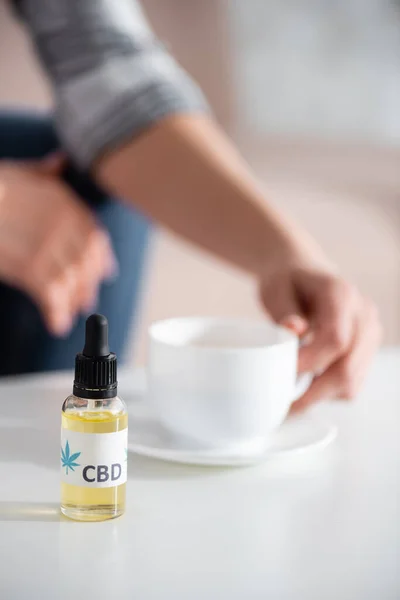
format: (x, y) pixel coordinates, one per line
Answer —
(94, 433)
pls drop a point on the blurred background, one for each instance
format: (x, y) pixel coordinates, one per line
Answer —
(310, 91)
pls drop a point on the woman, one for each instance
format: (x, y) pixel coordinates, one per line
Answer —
(127, 114)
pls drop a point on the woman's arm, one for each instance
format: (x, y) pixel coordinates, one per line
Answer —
(126, 110)
(185, 174)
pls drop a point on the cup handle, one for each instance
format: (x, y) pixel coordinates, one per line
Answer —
(302, 384)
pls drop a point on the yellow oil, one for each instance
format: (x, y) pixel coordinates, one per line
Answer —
(87, 503)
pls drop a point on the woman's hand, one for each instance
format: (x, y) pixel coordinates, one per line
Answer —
(51, 246)
(341, 328)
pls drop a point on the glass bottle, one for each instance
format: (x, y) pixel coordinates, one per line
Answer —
(94, 434)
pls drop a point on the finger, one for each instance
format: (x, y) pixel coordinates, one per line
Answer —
(51, 297)
(332, 310)
(295, 323)
(281, 305)
(343, 379)
(54, 281)
(33, 277)
(77, 275)
(93, 268)
(322, 387)
(357, 362)
(279, 300)
(70, 280)
(57, 300)
(108, 260)
(89, 284)
(55, 305)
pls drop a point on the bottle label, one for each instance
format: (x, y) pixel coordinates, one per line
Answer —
(94, 459)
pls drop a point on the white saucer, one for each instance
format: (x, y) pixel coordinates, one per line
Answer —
(297, 435)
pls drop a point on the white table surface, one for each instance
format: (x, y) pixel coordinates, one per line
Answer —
(323, 526)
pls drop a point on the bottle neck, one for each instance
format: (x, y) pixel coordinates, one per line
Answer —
(95, 394)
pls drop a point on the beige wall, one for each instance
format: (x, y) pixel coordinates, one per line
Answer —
(326, 69)
(22, 82)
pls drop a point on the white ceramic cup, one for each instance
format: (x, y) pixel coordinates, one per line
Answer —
(224, 383)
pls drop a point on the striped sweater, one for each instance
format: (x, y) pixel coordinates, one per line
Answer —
(111, 76)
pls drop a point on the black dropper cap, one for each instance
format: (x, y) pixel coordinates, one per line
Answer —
(96, 366)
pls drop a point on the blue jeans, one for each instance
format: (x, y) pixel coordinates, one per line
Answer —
(26, 345)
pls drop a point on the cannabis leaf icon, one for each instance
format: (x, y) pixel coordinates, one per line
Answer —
(68, 461)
